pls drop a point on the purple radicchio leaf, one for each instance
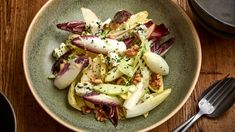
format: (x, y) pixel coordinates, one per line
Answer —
(64, 69)
(82, 60)
(112, 113)
(155, 45)
(78, 43)
(121, 17)
(159, 31)
(129, 41)
(76, 40)
(92, 93)
(162, 48)
(74, 26)
(102, 99)
(149, 23)
(69, 71)
(62, 60)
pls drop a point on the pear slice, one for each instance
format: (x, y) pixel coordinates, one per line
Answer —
(88, 15)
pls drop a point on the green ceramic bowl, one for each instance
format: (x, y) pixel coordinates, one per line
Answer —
(42, 37)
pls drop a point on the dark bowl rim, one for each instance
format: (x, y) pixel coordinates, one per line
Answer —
(210, 28)
(212, 16)
(12, 109)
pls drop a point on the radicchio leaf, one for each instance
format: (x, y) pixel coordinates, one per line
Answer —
(64, 69)
(69, 71)
(112, 113)
(155, 45)
(62, 60)
(61, 65)
(76, 41)
(74, 26)
(129, 41)
(132, 40)
(119, 18)
(82, 37)
(159, 31)
(149, 23)
(82, 60)
(102, 99)
(161, 49)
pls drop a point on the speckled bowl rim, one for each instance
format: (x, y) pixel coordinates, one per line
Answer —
(53, 115)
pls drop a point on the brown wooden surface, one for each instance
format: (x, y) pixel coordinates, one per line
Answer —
(218, 60)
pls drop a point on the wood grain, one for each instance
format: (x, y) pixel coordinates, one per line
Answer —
(16, 15)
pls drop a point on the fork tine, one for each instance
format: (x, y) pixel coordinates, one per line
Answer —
(226, 87)
(215, 87)
(225, 94)
(219, 89)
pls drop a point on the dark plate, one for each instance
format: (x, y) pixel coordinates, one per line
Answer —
(209, 26)
(7, 115)
(219, 14)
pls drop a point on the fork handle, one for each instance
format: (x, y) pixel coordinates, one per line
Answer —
(197, 116)
(179, 128)
(185, 126)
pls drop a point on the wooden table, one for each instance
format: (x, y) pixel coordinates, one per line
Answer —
(218, 59)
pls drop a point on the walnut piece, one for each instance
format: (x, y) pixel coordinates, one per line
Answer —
(119, 81)
(132, 51)
(86, 110)
(96, 81)
(136, 79)
(155, 80)
(100, 115)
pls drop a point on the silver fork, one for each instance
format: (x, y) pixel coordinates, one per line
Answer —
(210, 101)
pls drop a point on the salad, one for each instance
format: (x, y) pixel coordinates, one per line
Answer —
(113, 68)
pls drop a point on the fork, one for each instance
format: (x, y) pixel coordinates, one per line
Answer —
(210, 101)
